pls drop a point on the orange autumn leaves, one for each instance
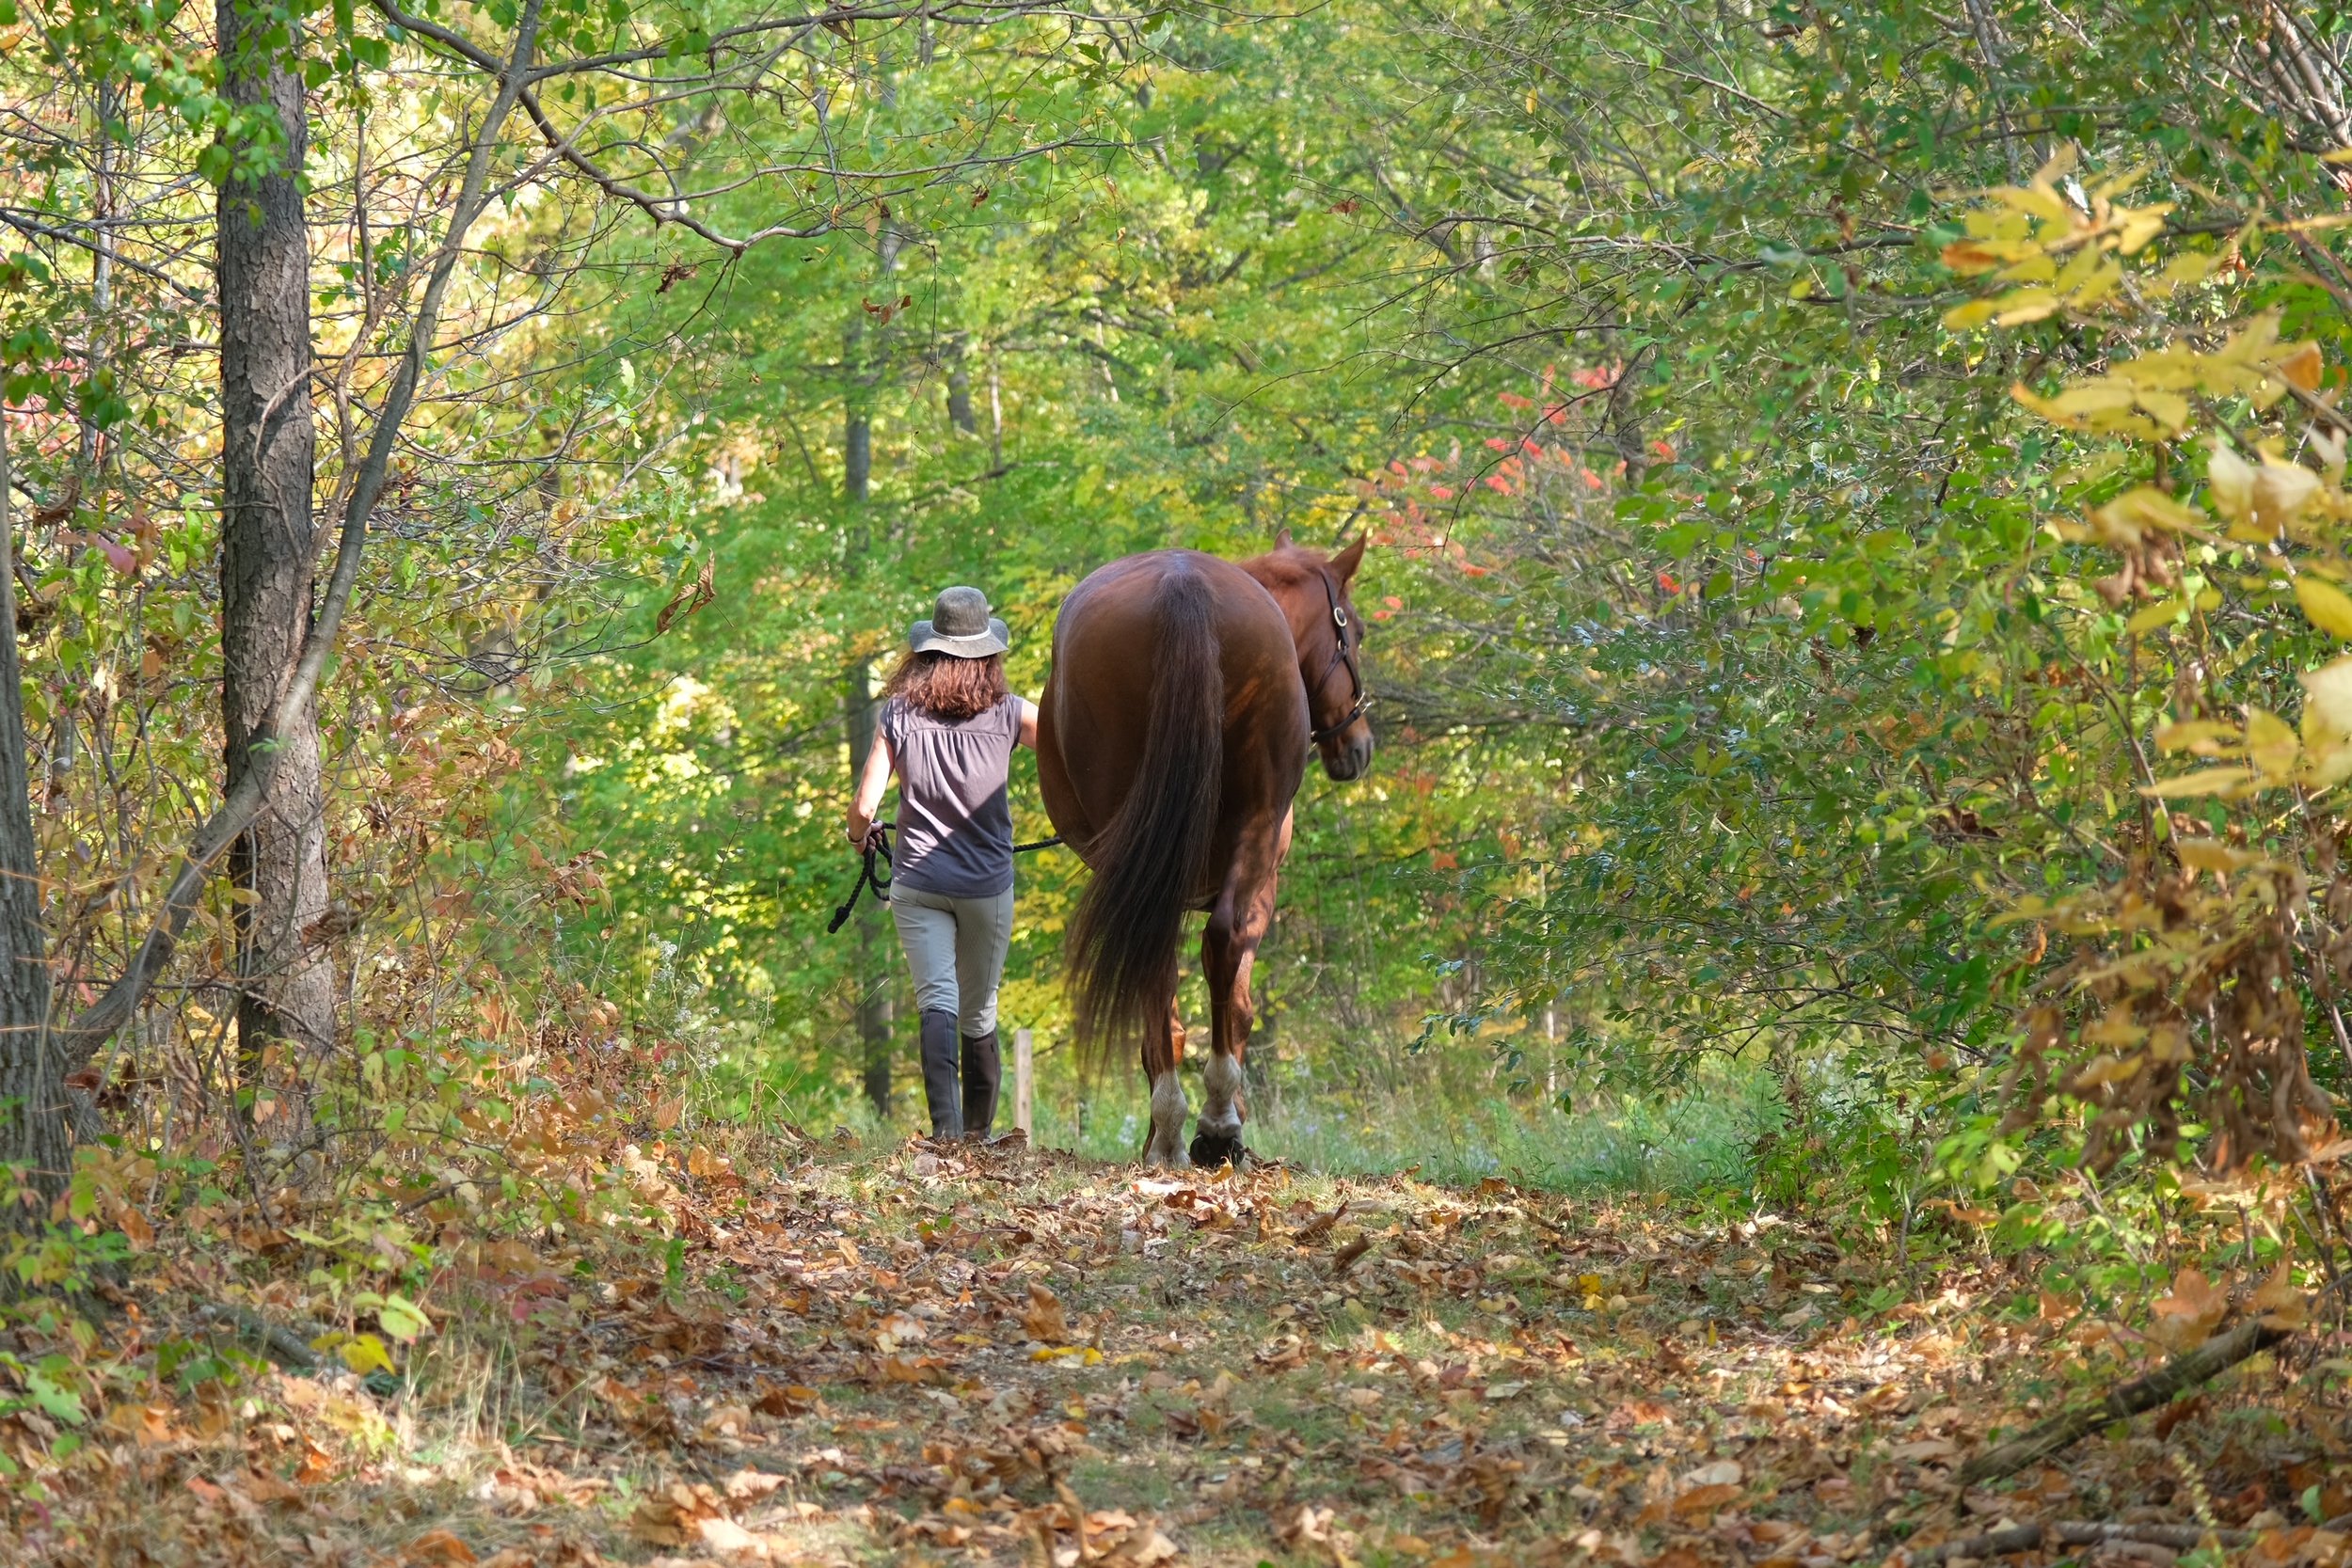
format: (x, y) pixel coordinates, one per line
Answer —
(2196, 1306)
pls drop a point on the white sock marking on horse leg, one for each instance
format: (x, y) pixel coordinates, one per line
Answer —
(1221, 1076)
(1168, 1108)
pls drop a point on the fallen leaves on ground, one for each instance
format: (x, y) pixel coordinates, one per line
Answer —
(1001, 1356)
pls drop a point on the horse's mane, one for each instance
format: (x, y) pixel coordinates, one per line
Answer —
(1287, 565)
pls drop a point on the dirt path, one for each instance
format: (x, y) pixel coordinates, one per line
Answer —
(998, 1356)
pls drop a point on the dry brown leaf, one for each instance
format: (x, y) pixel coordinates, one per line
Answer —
(2282, 1303)
(438, 1545)
(1701, 1501)
(2188, 1317)
(1043, 1320)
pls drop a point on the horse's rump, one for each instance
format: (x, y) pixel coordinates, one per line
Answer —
(1152, 854)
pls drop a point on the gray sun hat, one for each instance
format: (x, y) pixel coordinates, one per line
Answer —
(960, 625)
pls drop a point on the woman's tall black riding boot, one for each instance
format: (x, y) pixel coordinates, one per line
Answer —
(982, 1070)
(939, 1073)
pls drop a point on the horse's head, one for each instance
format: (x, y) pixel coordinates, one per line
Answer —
(1314, 590)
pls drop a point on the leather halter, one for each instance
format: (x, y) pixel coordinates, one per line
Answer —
(1340, 653)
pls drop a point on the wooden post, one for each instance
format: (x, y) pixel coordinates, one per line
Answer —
(1024, 1062)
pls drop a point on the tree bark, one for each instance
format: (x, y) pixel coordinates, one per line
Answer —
(36, 1130)
(868, 363)
(268, 446)
(959, 411)
(877, 978)
(857, 442)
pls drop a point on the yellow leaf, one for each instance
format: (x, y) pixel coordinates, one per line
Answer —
(2281, 490)
(2201, 735)
(2169, 409)
(2141, 225)
(2077, 271)
(2020, 306)
(2156, 615)
(2146, 507)
(2042, 203)
(2204, 854)
(2092, 397)
(2302, 368)
(2205, 781)
(2100, 283)
(2327, 702)
(2117, 183)
(2230, 480)
(2324, 606)
(2328, 763)
(2114, 1027)
(2190, 266)
(2103, 1070)
(2036, 268)
(364, 1353)
(1960, 318)
(2060, 163)
(2270, 745)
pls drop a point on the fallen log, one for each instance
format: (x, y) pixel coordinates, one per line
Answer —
(2011, 1539)
(280, 1343)
(2123, 1401)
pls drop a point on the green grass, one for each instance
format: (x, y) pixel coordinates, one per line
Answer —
(1692, 1142)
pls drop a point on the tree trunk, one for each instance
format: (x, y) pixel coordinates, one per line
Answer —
(857, 443)
(38, 1131)
(867, 367)
(268, 446)
(877, 972)
(959, 411)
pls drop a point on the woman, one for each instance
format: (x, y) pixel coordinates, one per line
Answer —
(947, 729)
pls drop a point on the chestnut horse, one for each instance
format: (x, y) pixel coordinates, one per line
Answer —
(1186, 693)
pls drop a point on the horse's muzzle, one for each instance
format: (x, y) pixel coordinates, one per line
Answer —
(1350, 761)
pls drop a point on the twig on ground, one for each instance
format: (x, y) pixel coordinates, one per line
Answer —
(2011, 1539)
(280, 1343)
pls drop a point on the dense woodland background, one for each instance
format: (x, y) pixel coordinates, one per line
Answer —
(1833, 472)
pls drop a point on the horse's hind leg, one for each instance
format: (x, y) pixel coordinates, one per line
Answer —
(1162, 1049)
(1229, 950)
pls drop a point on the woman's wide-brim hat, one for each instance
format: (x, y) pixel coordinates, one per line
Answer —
(960, 625)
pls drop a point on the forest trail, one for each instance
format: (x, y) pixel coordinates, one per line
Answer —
(857, 1356)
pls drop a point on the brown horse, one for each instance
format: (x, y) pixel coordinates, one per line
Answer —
(1186, 691)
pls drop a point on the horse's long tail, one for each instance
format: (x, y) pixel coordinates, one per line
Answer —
(1155, 852)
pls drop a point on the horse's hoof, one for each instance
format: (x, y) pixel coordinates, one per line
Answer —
(1212, 1149)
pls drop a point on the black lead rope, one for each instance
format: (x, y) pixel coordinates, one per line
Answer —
(878, 852)
(877, 848)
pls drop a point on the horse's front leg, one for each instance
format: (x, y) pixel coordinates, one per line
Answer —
(1229, 951)
(1162, 1049)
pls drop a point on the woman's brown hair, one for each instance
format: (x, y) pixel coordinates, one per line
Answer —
(948, 688)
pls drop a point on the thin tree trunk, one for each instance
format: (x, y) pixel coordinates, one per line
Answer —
(268, 451)
(868, 366)
(36, 1130)
(857, 443)
(959, 411)
(877, 989)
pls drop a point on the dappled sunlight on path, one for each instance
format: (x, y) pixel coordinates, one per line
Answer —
(991, 1355)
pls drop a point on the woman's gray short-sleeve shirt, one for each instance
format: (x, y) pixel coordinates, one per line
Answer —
(954, 823)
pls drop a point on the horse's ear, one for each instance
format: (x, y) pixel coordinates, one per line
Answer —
(1344, 564)
(1282, 539)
